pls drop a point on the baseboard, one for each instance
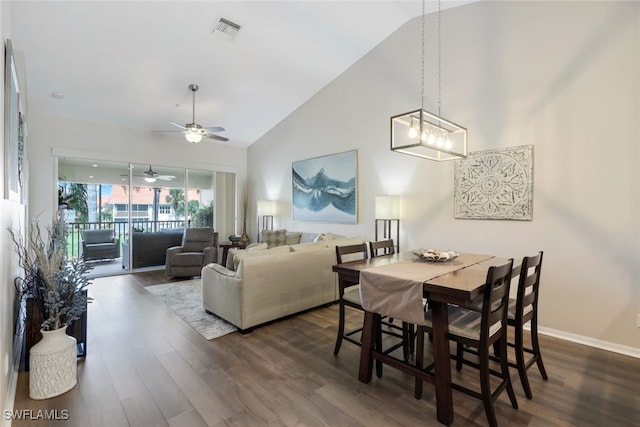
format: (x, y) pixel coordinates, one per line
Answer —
(591, 342)
(12, 382)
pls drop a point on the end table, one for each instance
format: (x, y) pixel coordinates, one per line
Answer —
(225, 250)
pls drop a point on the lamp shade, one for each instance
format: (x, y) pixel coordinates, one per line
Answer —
(387, 207)
(266, 207)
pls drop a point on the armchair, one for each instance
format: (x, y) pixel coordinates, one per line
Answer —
(99, 244)
(199, 248)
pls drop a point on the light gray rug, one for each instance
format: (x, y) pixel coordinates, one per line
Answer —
(185, 299)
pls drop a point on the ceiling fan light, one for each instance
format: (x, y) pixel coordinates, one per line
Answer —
(193, 136)
(149, 179)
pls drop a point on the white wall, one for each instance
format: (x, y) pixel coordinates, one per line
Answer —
(562, 76)
(12, 215)
(51, 136)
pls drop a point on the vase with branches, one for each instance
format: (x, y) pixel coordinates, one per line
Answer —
(56, 283)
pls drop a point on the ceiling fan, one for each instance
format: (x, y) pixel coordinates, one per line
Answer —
(151, 176)
(193, 132)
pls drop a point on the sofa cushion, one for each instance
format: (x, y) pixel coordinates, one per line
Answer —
(257, 247)
(304, 247)
(187, 259)
(274, 238)
(308, 237)
(292, 237)
(239, 257)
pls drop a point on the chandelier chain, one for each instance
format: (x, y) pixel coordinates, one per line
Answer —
(422, 79)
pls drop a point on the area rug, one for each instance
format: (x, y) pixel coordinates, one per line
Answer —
(185, 299)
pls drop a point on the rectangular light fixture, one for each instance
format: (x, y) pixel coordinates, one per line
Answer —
(225, 29)
(423, 134)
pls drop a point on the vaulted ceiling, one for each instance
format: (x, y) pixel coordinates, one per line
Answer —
(129, 63)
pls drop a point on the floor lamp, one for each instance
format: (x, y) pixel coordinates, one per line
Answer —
(388, 219)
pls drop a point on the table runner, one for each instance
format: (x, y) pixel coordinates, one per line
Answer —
(395, 290)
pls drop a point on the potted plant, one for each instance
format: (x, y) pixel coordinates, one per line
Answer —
(57, 285)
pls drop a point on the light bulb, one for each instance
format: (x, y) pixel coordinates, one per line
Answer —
(448, 144)
(440, 141)
(413, 132)
(193, 137)
(431, 139)
(424, 136)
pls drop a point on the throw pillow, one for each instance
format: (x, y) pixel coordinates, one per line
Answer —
(292, 237)
(274, 238)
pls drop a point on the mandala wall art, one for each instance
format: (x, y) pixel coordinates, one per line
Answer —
(495, 184)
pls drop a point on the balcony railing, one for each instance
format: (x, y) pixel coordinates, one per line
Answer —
(74, 238)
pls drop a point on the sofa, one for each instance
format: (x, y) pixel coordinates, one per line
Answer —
(150, 249)
(265, 284)
(100, 244)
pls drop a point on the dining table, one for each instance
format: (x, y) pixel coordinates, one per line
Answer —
(395, 285)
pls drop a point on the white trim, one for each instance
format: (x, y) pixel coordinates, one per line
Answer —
(591, 342)
(12, 382)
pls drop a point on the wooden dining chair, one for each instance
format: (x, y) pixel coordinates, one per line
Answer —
(349, 296)
(483, 331)
(522, 309)
(387, 247)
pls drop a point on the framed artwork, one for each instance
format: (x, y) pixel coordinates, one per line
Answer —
(495, 184)
(13, 134)
(324, 189)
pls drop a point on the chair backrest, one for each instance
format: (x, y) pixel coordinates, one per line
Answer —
(386, 246)
(98, 236)
(351, 253)
(528, 286)
(495, 302)
(196, 239)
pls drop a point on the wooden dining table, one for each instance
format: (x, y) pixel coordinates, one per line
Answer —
(459, 286)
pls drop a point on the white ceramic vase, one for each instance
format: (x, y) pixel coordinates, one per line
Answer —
(53, 365)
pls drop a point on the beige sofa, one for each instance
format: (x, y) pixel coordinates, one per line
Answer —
(272, 283)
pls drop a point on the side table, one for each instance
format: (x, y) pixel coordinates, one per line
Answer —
(225, 249)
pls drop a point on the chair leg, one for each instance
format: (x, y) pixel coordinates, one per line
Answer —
(459, 356)
(504, 367)
(379, 348)
(336, 349)
(485, 386)
(419, 354)
(520, 362)
(536, 347)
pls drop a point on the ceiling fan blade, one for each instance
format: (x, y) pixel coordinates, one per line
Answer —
(178, 125)
(165, 177)
(217, 137)
(214, 129)
(167, 131)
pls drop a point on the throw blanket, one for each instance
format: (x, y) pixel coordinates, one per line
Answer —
(396, 290)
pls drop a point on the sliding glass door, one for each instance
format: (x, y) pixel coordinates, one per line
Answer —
(146, 206)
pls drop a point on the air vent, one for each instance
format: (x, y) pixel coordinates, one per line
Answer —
(225, 29)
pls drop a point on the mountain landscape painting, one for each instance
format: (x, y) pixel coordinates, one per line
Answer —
(324, 189)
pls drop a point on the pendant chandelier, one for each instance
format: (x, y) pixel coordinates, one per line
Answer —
(423, 134)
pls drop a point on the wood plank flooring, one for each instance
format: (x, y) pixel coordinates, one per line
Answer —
(146, 367)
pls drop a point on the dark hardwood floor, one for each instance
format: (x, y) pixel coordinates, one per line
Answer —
(146, 367)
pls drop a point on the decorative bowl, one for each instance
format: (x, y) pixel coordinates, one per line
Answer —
(234, 239)
(435, 255)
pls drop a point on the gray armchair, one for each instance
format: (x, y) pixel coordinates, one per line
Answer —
(100, 244)
(199, 248)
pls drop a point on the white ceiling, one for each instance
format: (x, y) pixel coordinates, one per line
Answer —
(129, 63)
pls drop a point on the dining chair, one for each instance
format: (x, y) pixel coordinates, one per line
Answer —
(522, 309)
(387, 247)
(349, 296)
(484, 331)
